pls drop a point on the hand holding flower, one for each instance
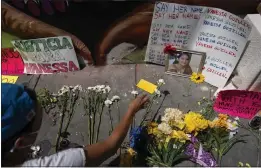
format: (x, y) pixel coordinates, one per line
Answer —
(138, 104)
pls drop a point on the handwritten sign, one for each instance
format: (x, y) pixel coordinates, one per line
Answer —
(9, 79)
(220, 34)
(244, 104)
(11, 62)
(47, 55)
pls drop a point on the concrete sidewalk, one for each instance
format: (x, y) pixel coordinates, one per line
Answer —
(122, 79)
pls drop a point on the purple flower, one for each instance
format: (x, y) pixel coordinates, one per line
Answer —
(201, 157)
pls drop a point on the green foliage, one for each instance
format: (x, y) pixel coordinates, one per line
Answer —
(167, 155)
(207, 108)
(217, 141)
(46, 99)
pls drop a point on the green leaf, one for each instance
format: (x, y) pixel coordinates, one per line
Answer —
(232, 142)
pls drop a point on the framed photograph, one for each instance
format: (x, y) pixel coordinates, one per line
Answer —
(184, 62)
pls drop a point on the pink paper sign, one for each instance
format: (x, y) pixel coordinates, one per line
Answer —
(243, 104)
(12, 62)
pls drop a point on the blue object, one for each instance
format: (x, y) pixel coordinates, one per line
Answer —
(135, 135)
(17, 109)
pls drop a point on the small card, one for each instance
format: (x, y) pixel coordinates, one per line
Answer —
(9, 79)
(146, 86)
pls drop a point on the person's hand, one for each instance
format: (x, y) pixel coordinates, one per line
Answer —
(138, 103)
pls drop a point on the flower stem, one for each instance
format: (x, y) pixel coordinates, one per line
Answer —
(74, 99)
(148, 109)
(119, 113)
(100, 116)
(94, 118)
(219, 160)
(98, 128)
(60, 129)
(110, 121)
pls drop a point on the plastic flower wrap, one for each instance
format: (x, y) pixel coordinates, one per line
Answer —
(135, 135)
(200, 156)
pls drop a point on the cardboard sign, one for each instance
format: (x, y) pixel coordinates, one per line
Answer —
(146, 86)
(222, 35)
(47, 55)
(9, 79)
(11, 62)
(244, 104)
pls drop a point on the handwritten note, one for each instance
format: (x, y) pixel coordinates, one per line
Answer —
(11, 62)
(146, 86)
(244, 104)
(9, 79)
(47, 55)
(220, 34)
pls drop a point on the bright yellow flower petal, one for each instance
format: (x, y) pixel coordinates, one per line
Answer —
(220, 122)
(131, 151)
(197, 78)
(179, 135)
(195, 122)
(153, 124)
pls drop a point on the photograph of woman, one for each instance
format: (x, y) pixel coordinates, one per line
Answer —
(181, 64)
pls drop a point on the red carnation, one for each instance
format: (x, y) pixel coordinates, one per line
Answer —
(169, 48)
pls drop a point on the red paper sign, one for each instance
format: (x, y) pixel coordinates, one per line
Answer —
(244, 104)
(12, 62)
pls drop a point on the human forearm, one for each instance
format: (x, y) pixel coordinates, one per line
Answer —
(119, 133)
(98, 153)
(26, 26)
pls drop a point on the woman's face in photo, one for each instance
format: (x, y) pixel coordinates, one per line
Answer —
(184, 60)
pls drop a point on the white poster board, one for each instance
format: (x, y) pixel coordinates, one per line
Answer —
(220, 34)
(47, 55)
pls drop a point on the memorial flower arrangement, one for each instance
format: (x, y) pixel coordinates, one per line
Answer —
(61, 106)
(95, 99)
(201, 137)
(65, 100)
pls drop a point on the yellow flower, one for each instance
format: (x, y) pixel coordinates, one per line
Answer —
(153, 128)
(197, 77)
(195, 122)
(153, 131)
(221, 121)
(152, 124)
(167, 139)
(131, 151)
(179, 135)
(178, 124)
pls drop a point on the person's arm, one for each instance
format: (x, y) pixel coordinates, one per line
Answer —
(18, 23)
(99, 152)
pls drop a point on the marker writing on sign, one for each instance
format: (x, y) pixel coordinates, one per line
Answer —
(238, 103)
(34, 68)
